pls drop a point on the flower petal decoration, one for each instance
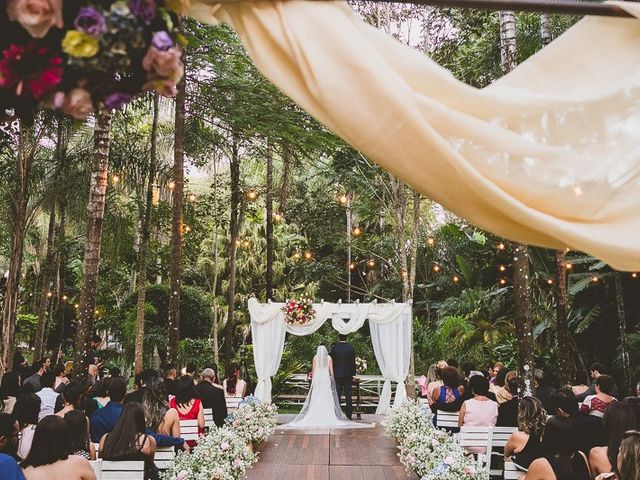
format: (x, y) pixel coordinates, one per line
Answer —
(90, 21)
(33, 70)
(79, 44)
(36, 16)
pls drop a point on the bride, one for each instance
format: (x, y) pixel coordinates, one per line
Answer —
(321, 408)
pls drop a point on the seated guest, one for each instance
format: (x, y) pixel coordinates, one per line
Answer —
(61, 378)
(70, 399)
(542, 391)
(212, 397)
(478, 411)
(581, 385)
(525, 445)
(9, 431)
(448, 397)
(26, 411)
(185, 406)
(635, 404)
(501, 390)
(561, 461)
(105, 419)
(47, 395)
(628, 462)
(78, 428)
(508, 411)
(597, 404)
(233, 385)
(190, 369)
(586, 429)
(156, 406)
(437, 383)
(115, 372)
(9, 391)
(170, 375)
(49, 456)
(34, 380)
(618, 418)
(101, 392)
(129, 442)
(141, 385)
(596, 370)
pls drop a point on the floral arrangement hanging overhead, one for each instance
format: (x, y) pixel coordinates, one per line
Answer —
(299, 311)
(75, 54)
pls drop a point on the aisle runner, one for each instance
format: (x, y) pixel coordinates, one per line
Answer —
(330, 455)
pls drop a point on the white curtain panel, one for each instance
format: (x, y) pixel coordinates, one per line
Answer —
(391, 335)
(548, 155)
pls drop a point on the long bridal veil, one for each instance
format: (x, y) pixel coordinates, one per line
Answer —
(322, 409)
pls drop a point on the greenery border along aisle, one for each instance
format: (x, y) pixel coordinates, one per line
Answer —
(226, 453)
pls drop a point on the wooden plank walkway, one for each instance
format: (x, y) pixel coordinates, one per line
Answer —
(364, 454)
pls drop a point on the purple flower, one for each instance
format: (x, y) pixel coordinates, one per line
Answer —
(162, 41)
(90, 21)
(117, 99)
(145, 10)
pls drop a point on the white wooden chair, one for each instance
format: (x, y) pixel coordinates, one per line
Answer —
(122, 470)
(97, 447)
(164, 456)
(189, 429)
(97, 468)
(447, 419)
(233, 402)
(208, 418)
(477, 438)
(511, 472)
(498, 441)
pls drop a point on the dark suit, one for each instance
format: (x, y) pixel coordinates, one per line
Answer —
(213, 397)
(344, 369)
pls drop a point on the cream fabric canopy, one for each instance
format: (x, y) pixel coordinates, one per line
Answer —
(548, 155)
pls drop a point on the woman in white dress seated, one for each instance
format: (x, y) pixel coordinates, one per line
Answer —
(233, 385)
(321, 408)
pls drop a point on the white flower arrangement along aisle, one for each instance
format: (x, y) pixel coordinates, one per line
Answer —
(226, 453)
(431, 453)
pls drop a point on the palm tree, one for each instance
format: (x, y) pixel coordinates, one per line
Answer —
(93, 242)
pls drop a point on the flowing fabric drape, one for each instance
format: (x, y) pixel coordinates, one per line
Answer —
(391, 335)
(547, 155)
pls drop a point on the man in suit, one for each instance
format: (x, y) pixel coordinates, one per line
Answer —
(212, 397)
(344, 369)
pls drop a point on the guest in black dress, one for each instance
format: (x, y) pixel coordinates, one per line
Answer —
(525, 445)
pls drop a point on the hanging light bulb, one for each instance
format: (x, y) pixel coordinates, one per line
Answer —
(549, 281)
(115, 178)
(569, 266)
(49, 294)
(404, 274)
(455, 279)
(252, 194)
(77, 305)
(192, 197)
(502, 281)
(308, 255)
(297, 255)
(357, 231)
(246, 244)
(502, 268)
(634, 275)
(64, 298)
(171, 185)
(501, 246)
(343, 199)
(436, 268)
(431, 241)
(371, 263)
(594, 279)
(277, 217)
(352, 266)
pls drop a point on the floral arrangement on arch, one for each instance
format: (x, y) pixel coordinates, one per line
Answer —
(253, 421)
(299, 311)
(361, 365)
(221, 455)
(73, 55)
(431, 453)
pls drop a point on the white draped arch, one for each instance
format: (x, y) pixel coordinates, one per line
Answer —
(391, 335)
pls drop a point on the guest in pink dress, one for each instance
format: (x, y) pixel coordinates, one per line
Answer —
(478, 411)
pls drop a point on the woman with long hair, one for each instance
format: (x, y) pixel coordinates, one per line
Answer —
(156, 407)
(618, 419)
(629, 457)
(49, 456)
(26, 411)
(561, 460)
(71, 398)
(9, 391)
(233, 385)
(61, 380)
(78, 428)
(186, 405)
(525, 445)
(129, 442)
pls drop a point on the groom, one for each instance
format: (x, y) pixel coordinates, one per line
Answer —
(344, 369)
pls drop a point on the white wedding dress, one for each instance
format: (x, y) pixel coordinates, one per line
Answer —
(321, 408)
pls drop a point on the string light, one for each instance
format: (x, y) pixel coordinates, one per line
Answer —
(343, 199)
(436, 268)
(577, 190)
(352, 266)
(171, 185)
(64, 298)
(186, 228)
(404, 274)
(297, 255)
(634, 275)
(277, 217)
(246, 244)
(357, 231)
(502, 268)
(594, 279)
(549, 281)
(97, 312)
(431, 241)
(77, 305)
(115, 179)
(501, 246)
(49, 294)
(308, 255)
(192, 197)
(502, 281)
(455, 279)
(252, 195)
(569, 266)
(371, 263)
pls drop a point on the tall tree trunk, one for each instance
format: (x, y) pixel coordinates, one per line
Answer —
(269, 208)
(232, 249)
(545, 31)
(93, 242)
(177, 226)
(508, 47)
(214, 281)
(10, 309)
(562, 323)
(522, 310)
(144, 242)
(415, 235)
(60, 262)
(622, 324)
(285, 186)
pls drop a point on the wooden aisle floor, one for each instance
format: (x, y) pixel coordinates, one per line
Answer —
(363, 454)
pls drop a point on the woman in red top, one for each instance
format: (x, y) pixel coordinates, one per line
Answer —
(185, 406)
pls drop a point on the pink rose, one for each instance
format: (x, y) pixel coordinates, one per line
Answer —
(77, 103)
(36, 16)
(163, 64)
